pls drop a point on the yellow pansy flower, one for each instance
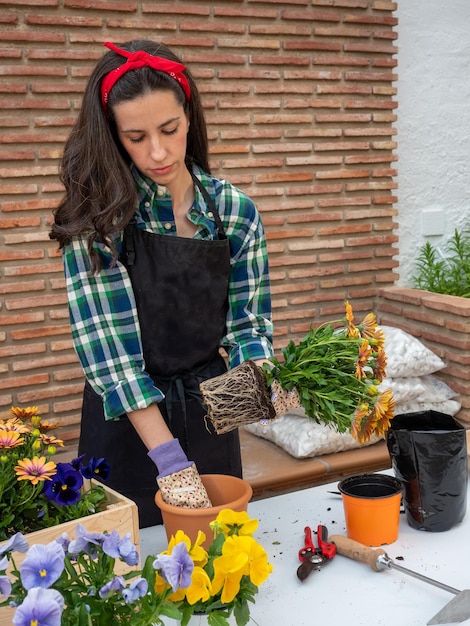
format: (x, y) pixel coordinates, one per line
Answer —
(257, 566)
(234, 522)
(200, 588)
(161, 585)
(195, 550)
(228, 571)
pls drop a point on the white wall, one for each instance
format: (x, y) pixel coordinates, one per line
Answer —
(433, 125)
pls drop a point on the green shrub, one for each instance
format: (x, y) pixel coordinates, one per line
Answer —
(449, 273)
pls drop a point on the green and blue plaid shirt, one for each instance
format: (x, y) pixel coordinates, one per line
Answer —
(102, 307)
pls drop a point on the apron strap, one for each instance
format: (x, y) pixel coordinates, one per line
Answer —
(210, 203)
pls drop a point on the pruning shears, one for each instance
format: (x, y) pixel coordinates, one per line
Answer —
(313, 558)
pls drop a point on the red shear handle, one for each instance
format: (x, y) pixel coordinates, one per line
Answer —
(328, 550)
(309, 547)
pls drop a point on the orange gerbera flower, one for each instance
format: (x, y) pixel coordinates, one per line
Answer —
(383, 412)
(351, 330)
(25, 413)
(368, 325)
(35, 470)
(46, 426)
(380, 364)
(363, 357)
(10, 439)
(50, 440)
(378, 340)
(16, 425)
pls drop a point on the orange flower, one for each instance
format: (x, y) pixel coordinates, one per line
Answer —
(363, 357)
(10, 439)
(380, 364)
(384, 411)
(378, 340)
(351, 330)
(361, 427)
(50, 440)
(16, 425)
(35, 470)
(45, 426)
(368, 325)
(26, 413)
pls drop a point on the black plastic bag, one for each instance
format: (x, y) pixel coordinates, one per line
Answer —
(428, 450)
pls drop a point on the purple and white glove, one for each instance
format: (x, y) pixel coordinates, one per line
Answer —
(178, 478)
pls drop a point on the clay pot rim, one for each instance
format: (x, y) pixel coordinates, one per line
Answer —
(248, 492)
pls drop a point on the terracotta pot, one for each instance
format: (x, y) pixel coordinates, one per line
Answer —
(225, 492)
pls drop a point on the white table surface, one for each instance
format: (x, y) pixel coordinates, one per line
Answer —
(344, 592)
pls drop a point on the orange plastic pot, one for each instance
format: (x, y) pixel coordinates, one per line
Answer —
(371, 505)
(225, 492)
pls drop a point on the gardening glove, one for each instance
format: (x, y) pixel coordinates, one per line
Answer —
(178, 478)
(283, 400)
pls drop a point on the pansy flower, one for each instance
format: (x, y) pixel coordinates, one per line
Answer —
(42, 566)
(41, 606)
(176, 568)
(96, 468)
(65, 486)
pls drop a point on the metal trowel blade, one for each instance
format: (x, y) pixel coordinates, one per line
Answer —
(455, 611)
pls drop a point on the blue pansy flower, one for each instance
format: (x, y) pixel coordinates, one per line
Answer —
(16, 543)
(42, 565)
(41, 606)
(5, 584)
(118, 548)
(64, 488)
(137, 589)
(177, 567)
(96, 468)
(85, 541)
(116, 584)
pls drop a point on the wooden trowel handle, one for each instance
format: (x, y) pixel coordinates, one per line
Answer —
(358, 552)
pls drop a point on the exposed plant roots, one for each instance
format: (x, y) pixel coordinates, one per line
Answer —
(237, 397)
(241, 396)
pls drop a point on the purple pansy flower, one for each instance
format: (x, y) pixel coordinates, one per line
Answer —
(85, 541)
(41, 606)
(116, 584)
(118, 548)
(42, 565)
(177, 567)
(137, 589)
(5, 584)
(17, 543)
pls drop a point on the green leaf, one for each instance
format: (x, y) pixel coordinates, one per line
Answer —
(217, 618)
(242, 613)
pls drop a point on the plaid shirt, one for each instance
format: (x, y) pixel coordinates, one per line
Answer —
(102, 307)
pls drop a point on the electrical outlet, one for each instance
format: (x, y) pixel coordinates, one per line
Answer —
(433, 222)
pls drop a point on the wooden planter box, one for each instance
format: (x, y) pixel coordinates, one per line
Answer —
(440, 322)
(120, 515)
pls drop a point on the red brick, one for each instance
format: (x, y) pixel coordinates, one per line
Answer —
(300, 120)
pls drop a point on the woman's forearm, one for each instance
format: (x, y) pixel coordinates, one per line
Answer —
(150, 426)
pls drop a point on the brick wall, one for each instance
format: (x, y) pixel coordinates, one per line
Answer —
(440, 322)
(300, 104)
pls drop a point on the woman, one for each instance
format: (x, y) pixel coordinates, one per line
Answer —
(164, 265)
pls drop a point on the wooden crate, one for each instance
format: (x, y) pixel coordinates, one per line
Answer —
(120, 515)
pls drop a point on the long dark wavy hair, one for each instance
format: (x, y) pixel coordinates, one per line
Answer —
(100, 192)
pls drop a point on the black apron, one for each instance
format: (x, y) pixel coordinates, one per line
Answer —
(181, 287)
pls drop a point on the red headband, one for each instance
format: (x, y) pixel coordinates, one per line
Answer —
(138, 59)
